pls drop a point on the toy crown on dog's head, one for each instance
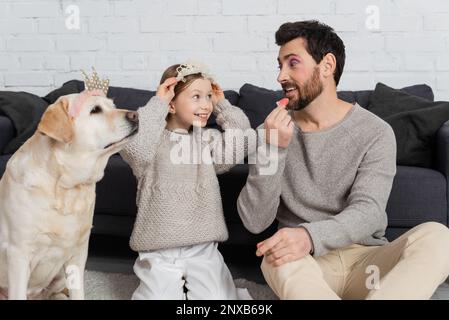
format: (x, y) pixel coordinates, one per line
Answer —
(95, 83)
(92, 87)
(190, 67)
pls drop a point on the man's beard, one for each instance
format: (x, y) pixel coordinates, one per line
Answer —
(306, 93)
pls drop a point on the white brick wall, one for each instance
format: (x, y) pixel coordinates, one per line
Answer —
(133, 41)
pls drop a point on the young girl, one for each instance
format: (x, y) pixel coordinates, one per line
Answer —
(180, 216)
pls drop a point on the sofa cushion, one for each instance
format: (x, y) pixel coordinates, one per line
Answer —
(6, 132)
(231, 183)
(363, 97)
(418, 195)
(3, 161)
(116, 192)
(258, 102)
(386, 101)
(415, 122)
(130, 98)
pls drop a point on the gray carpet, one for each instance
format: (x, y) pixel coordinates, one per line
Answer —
(118, 286)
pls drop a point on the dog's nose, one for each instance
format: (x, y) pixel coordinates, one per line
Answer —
(132, 116)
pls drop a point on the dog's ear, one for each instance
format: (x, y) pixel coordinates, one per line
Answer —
(56, 122)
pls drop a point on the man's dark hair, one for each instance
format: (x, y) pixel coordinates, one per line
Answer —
(320, 40)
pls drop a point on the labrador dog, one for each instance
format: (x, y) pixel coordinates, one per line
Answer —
(47, 197)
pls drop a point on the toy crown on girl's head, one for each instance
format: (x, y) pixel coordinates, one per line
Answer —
(190, 67)
(95, 83)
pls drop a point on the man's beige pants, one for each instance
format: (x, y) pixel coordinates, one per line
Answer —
(411, 267)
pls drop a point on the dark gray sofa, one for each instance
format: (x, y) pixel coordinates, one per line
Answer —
(418, 194)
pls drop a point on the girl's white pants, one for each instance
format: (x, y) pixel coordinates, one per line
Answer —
(199, 270)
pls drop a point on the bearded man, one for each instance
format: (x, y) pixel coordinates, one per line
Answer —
(336, 164)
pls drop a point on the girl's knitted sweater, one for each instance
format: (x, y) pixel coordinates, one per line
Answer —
(178, 195)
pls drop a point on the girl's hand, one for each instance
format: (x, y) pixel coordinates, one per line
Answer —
(217, 94)
(166, 90)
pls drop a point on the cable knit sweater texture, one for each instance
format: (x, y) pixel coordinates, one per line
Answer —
(179, 204)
